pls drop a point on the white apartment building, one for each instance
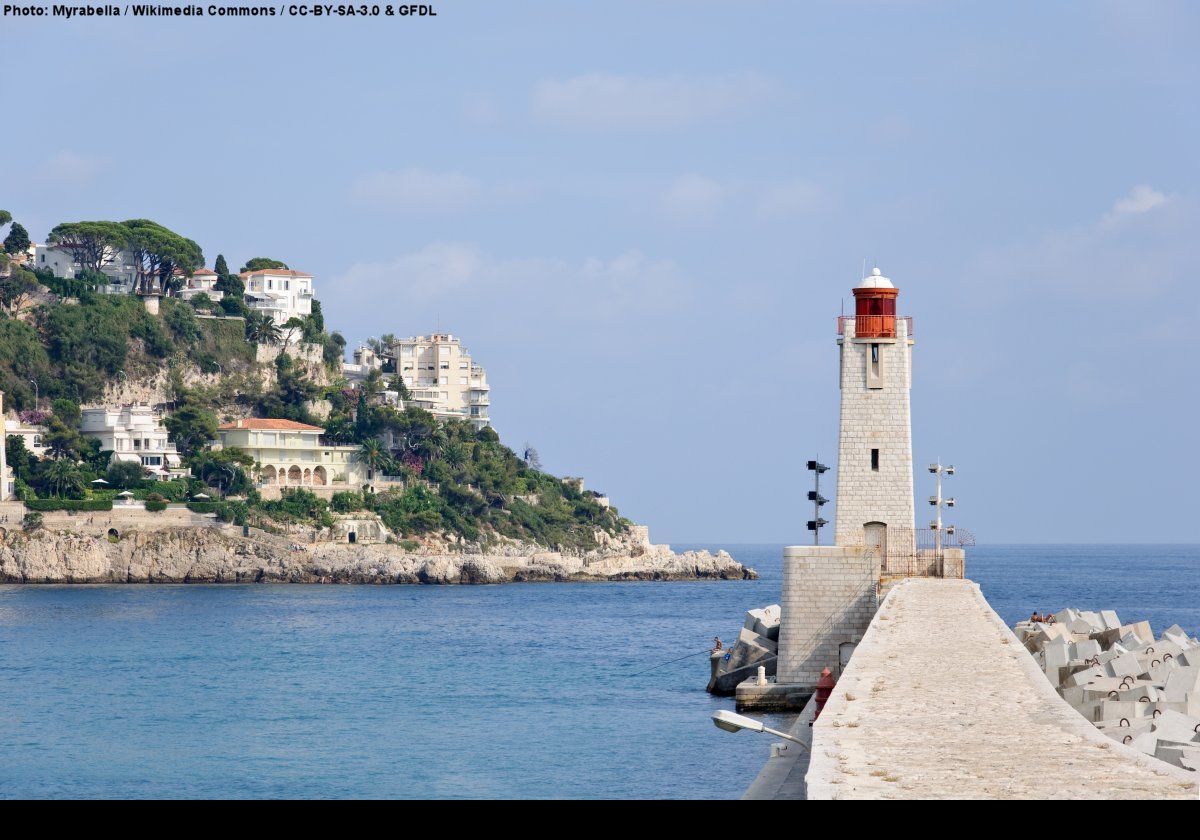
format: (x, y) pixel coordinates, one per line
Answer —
(202, 281)
(121, 269)
(442, 377)
(279, 292)
(134, 433)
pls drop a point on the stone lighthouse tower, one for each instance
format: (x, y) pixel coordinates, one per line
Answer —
(831, 592)
(875, 469)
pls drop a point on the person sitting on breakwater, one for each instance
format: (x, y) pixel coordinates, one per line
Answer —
(717, 643)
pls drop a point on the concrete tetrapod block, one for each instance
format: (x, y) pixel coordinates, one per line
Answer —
(750, 648)
(1173, 726)
(1082, 626)
(1140, 629)
(1095, 622)
(1175, 634)
(1181, 682)
(1065, 617)
(1181, 755)
(1129, 710)
(767, 624)
(1085, 649)
(1110, 620)
(1124, 665)
(1086, 675)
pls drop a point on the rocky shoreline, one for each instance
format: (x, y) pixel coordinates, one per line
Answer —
(223, 555)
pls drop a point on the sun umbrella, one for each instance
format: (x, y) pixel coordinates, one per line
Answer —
(99, 481)
(201, 496)
(124, 494)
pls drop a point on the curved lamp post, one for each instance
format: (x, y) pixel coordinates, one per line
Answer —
(731, 722)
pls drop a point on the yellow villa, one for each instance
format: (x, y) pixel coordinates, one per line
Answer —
(291, 454)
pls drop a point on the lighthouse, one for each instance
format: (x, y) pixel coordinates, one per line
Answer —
(831, 592)
(875, 466)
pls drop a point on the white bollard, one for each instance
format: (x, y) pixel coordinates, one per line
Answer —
(762, 675)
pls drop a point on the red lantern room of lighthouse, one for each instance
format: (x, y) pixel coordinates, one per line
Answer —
(875, 307)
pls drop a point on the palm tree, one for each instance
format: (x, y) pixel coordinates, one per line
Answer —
(262, 329)
(63, 478)
(373, 455)
(455, 454)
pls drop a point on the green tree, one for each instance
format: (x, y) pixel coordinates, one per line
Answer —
(220, 266)
(62, 442)
(262, 329)
(17, 289)
(260, 263)
(290, 327)
(17, 241)
(67, 411)
(91, 244)
(5, 217)
(32, 521)
(124, 475)
(20, 460)
(158, 251)
(181, 319)
(62, 478)
(191, 427)
(373, 456)
(397, 385)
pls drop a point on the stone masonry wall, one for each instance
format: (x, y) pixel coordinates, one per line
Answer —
(874, 419)
(829, 597)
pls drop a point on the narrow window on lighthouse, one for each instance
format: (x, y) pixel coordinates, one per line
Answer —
(874, 372)
(875, 460)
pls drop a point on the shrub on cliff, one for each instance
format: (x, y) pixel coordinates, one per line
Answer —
(155, 507)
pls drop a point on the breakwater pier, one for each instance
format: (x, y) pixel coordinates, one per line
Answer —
(940, 700)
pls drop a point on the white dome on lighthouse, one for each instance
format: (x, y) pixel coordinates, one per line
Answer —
(876, 281)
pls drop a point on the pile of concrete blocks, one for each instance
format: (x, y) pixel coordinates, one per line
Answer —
(757, 644)
(1138, 690)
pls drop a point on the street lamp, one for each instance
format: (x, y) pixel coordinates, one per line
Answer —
(938, 503)
(730, 722)
(36, 395)
(816, 523)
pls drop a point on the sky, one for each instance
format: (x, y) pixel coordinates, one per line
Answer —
(643, 219)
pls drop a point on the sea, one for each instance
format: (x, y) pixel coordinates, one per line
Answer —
(541, 690)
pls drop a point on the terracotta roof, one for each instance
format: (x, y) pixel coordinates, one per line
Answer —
(278, 272)
(269, 423)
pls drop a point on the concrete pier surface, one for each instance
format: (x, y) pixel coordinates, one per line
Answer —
(940, 701)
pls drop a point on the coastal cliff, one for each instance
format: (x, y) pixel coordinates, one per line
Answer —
(216, 555)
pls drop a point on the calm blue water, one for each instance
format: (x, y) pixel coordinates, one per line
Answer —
(436, 692)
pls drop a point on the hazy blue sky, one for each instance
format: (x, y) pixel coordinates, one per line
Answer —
(643, 218)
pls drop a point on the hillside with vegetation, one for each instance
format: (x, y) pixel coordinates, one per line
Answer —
(64, 344)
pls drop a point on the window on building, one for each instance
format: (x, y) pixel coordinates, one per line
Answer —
(444, 380)
(462, 365)
(462, 380)
(408, 380)
(405, 351)
(445, 366)
(875, 460)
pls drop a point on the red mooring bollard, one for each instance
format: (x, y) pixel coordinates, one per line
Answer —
(824, 689)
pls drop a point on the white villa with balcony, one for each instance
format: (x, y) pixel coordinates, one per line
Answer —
(291, 454)
(121, 268)
(134, 433)
(203, 281)
(279, 292)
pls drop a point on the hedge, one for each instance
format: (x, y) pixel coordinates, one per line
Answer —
(69, 504)
(155, 507)
(202, 507)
